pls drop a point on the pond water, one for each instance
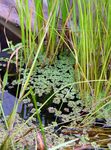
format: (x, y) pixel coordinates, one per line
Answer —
(24, 110)
(8, 103)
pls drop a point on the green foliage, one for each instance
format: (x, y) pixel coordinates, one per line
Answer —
(48, 78)
(88, 37)
(91, 42)
(5, 80)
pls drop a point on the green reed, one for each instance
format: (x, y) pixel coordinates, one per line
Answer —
(91, 39)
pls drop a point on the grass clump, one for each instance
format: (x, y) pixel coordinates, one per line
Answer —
(81, 28)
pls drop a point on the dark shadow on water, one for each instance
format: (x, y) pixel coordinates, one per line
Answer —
(8, 103)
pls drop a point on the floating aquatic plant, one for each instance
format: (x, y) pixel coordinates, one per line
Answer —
(50, 77)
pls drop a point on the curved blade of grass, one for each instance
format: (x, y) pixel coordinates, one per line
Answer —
(65, 144)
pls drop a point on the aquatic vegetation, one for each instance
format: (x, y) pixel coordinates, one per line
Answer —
(47, 80)
(50, 77)
(64, 63)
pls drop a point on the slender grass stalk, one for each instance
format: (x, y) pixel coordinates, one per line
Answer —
(21, 16)
(63, 145)
(39, 20)
(63, 35)
(8, 141)
(38, 116)
(51, 33)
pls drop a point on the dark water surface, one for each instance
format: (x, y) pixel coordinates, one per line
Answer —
(8, 103)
